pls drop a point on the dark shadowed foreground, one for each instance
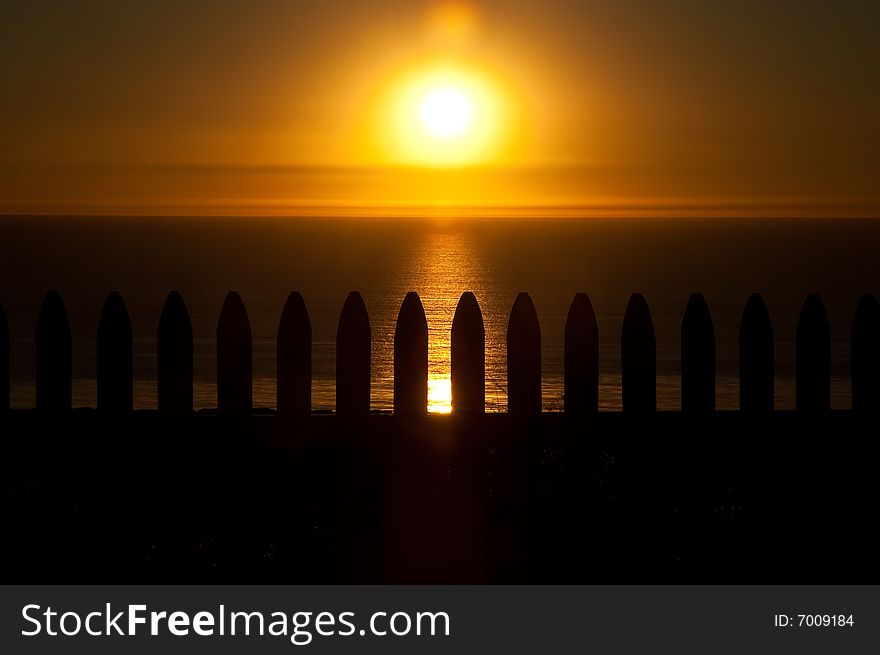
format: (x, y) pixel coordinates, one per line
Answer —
(664, 497)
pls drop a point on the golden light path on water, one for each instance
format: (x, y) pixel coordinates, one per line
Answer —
(439, 395)
(443, 265)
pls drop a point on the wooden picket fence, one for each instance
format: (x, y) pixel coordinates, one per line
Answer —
(53, 374)
(524, 496)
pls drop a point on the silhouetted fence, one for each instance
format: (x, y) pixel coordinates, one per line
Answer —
(667, 497)
(53, 373)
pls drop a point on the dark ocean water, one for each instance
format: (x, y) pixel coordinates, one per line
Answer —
(264, 259)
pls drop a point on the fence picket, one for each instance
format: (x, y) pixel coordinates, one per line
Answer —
(756, 357)
(174, 349)
(113, 357)
(581, 384)
(54, 368)
(293, 358)
(697, 357)
(234, 358)
(523, 358)
(638, 354)
(353, 346)
(411, 357)
(813, 358)
(468, 357)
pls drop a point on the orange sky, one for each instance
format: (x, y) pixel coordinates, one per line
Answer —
(674, 108)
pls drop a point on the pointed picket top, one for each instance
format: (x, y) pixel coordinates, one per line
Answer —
(523, 358)
(697, 357)
(234, 358)
(293, 358)
(353, 346)
(756, 357)
(865, 355)
(468, 357)
(581, 357)
(174, 349)
(54, 369)
(113, 354)
(813, 357)
(638, 358)
(411, 357)
(5, 382)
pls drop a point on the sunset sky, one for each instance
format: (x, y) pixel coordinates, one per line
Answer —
(381, 106)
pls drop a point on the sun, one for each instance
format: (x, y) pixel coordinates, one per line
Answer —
(442, 115)
(446, 112)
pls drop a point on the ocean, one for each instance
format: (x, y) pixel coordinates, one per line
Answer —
(265, 258)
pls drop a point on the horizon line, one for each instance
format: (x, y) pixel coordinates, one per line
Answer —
(839, 208)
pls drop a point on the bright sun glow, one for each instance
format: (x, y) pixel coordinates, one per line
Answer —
(446, 112)
(443, 114)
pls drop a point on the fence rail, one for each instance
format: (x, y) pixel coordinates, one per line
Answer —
(53, 371)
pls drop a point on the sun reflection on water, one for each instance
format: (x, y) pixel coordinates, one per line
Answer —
(439, 395)
(445, 264)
